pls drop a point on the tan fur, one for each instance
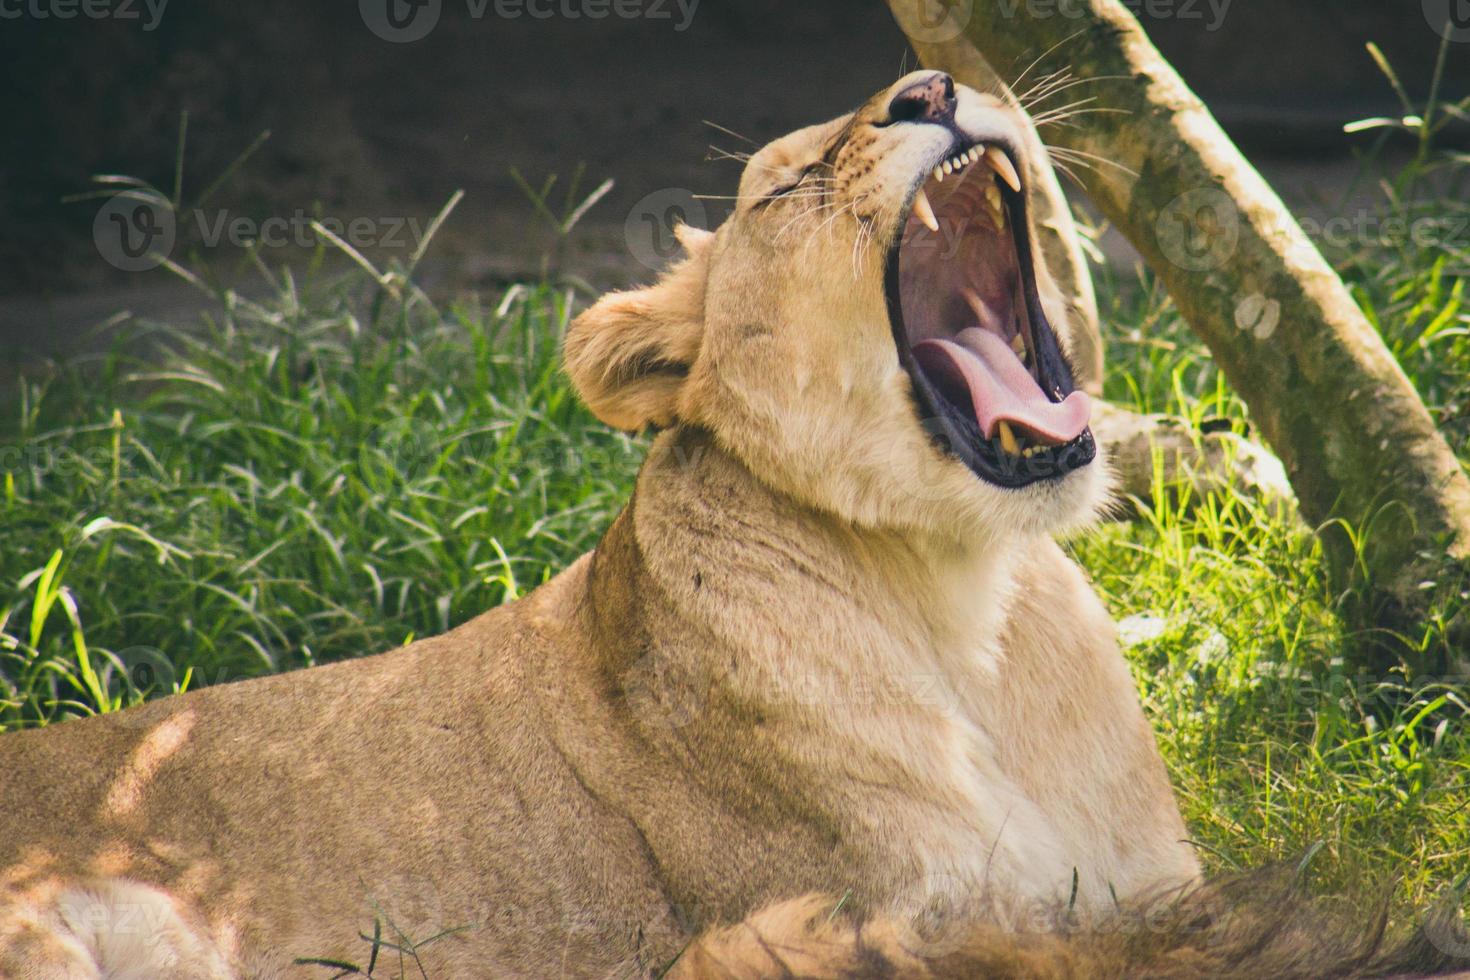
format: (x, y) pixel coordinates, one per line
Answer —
(814, 654)
(1259, 926)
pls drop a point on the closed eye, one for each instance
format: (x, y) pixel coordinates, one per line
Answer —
(802, 177)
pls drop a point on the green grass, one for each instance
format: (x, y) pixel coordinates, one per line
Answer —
(1281, 748)
(298, 481)
(1278, 745)
(289, 486)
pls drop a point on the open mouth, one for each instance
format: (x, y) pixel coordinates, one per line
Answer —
(990, 377)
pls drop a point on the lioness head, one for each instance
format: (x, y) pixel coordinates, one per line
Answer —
(867, 331)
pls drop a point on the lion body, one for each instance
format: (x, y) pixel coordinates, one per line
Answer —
(584, 777)
(814, 654)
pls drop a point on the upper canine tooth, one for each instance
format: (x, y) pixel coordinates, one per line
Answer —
(997, 159)
(924, 212)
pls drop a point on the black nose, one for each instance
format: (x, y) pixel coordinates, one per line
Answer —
(929, 100)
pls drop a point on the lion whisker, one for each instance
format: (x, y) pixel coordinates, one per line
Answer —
(723, 154)
(1069, 84)
(1065, 118)
(1083, 156)
(1069, 173)
(799, 216)
(727, 130)
(1044, 85)
(1040, 57)
(1063, 109)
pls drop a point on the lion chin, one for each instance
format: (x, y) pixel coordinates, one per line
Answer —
(829, 647)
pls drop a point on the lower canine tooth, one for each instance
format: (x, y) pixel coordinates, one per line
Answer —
(997, 208)
(1008, 439)
(924, 212)
(1018, 344)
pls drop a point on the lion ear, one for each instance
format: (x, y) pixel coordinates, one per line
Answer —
(629, 355)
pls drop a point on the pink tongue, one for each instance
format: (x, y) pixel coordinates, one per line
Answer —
(1001, 387)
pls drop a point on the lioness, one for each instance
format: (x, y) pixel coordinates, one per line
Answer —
(829, 646)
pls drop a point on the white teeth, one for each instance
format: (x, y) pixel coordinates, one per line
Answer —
(924, 211)
(992, 155)
(1002, 165)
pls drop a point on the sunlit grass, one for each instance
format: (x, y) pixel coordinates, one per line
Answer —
(1280, 747)
(290, 486)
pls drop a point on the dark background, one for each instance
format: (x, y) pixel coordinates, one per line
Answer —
(361, 126)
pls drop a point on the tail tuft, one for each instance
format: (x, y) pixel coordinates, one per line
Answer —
(1257, 926)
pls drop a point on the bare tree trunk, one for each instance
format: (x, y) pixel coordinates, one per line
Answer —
(1357, 442)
